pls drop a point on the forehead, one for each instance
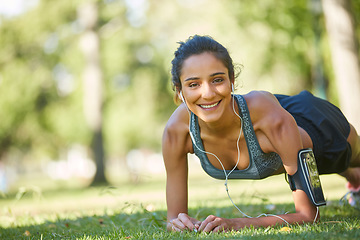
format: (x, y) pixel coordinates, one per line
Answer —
(204, 63)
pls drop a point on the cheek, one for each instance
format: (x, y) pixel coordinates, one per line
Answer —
(224, 89)
(190, 96)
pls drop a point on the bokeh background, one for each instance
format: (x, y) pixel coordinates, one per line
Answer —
(85, 87)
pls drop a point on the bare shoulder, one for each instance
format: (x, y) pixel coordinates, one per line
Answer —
(261, 103)
(265, 110)
(178, 121)
(260, 95)
(176, 132)
(272, 123)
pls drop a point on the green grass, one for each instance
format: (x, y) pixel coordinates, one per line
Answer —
(139, 211)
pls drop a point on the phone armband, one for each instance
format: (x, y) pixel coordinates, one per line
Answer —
(307, 178)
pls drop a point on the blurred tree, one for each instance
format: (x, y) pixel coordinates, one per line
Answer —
(344, 48)
(36, 80)
(283, 31)
(93, 81)
(292, 36)
(319, 82)
(41, 71)
(137, 100)
(42, 95)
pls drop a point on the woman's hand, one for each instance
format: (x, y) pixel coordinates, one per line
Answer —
(216, 224)
(183, 222)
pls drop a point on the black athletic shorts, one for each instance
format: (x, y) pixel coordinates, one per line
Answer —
(326, 126)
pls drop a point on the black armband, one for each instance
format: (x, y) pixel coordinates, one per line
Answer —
(307, 178)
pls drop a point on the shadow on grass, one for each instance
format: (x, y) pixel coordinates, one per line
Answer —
(135, 222)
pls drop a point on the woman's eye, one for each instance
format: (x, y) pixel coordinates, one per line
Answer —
(218, 80)
(193, 84)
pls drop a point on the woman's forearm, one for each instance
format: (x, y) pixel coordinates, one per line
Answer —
(272, 220)
(215, 224)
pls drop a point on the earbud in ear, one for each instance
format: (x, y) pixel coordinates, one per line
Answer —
(232, 87)
(181, 96)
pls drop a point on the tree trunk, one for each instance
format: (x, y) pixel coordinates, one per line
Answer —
(345, 56)
(92, 82)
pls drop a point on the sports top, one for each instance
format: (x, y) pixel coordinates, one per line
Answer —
(261, 164)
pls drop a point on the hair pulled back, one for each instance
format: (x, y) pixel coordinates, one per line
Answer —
(196, 45)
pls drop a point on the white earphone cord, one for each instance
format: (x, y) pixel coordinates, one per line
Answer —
(237, 162)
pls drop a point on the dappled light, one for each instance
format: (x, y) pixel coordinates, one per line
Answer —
(85, 94)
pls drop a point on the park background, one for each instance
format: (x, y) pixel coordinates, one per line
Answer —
(85, 92)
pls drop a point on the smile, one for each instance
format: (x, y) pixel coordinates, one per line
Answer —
(210, 105)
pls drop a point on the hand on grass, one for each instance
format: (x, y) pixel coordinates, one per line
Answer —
(184, 222)
(216, 224)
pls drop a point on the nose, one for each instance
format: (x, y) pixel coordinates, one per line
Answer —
(207, 91)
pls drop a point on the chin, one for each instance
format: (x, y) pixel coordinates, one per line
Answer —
(208, 119)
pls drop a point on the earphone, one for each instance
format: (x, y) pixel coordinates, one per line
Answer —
(238, 149)
(238, 158)
(181, 96)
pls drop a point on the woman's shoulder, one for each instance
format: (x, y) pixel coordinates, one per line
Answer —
(179, 120)
(260, 100)
(264, 108)
(176, 138)
(177, 126)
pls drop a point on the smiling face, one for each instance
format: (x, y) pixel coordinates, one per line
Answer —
(206, 87)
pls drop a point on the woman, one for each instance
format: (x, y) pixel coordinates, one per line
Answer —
(217, 127)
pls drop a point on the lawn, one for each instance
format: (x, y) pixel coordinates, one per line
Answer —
(138, 211)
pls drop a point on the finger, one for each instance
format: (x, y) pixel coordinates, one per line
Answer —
(210, 227)
(185, 219)
(205, 223)
(175, 229)
(177, 223)
(197, 225)
(202, 226)
(219, 228)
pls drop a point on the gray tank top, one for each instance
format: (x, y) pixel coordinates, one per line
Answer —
(261, 164)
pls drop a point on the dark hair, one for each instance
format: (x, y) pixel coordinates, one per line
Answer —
(196, 45)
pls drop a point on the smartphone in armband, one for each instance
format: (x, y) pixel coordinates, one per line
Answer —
(307, 177)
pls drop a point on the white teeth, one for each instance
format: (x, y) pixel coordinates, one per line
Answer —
(209, 106)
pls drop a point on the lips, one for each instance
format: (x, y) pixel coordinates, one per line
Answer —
(207, 106)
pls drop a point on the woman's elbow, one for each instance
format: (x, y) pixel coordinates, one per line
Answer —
(310, 216)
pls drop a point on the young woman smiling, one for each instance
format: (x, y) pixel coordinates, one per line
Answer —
(249, 136)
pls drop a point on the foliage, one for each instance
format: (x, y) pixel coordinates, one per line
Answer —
(34, 53)
(41, 93)
(41, 72)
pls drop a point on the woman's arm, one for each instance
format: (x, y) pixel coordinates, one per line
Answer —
(269, 118)
(283, 136)
(305, 212)
(175, 146)
(283, 133)
(302, 215)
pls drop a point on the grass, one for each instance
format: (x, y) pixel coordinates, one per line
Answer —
(139, 212)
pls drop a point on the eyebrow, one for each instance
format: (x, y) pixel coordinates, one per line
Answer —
(211, 75)
(217, 73)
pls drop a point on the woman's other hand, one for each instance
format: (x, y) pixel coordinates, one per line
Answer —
(216, 224)
(183, 222)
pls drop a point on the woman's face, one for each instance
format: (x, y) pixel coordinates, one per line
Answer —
(206, 86)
